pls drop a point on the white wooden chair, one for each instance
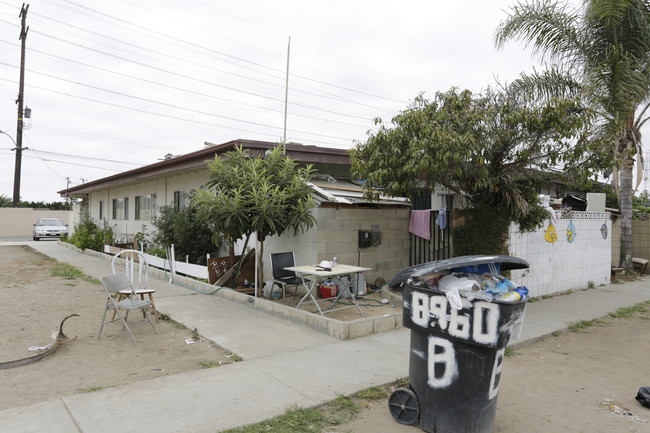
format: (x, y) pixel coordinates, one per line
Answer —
(134, 264)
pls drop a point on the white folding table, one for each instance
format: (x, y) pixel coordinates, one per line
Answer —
(317, 273)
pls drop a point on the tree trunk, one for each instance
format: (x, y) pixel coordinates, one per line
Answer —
(626, 196)
(260, 263)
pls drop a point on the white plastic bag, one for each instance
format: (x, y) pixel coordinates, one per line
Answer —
(452, 286)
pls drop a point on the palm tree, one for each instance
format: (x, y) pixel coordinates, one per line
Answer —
(600, 53)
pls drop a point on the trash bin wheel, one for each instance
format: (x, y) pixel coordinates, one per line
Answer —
(404, 406)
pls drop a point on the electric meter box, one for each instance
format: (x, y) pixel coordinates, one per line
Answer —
(365, 238)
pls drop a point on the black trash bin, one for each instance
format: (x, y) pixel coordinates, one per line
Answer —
(455, 355)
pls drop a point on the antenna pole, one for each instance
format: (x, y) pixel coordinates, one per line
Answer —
(286, 99)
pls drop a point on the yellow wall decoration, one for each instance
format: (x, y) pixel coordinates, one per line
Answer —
(551, 234)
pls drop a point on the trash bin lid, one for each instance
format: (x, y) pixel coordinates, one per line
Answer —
(506, 262)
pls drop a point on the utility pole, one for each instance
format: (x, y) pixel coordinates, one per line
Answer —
(19, 101)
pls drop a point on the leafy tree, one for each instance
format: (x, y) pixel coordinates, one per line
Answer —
(190, 235)
(491, 148)
(266, 195)
(601, 53)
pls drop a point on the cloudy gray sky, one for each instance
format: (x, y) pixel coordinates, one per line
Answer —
(116, 85)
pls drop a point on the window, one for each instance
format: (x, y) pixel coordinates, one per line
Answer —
(180, 200)
(121, 208)
(101, 209)
(144, 207)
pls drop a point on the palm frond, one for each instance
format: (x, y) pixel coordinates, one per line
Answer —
(549, 27)
(548, 84)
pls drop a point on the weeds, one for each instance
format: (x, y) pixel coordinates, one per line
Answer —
(210, 364)
(402, 383)
(581, 325)
(339, 411)
(374, 393)
(235, 358)
(68, 272)
(293, 421)
(93, 388)
(509, 352)
(626, 312)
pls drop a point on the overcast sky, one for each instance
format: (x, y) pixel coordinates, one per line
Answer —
(116, 85)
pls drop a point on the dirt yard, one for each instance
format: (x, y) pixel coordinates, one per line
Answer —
(33, 304)
(576, 382)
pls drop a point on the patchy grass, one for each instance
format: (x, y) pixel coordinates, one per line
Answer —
(341, 410)
(374, 393)
(69, 272)
(293, 421)
(582, 325)
(93, 388)
(210, 364)
(625, 312)
(509, 352)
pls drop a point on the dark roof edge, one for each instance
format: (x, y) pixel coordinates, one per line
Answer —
(297, 151)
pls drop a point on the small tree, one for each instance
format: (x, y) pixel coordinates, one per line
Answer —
(266, 195)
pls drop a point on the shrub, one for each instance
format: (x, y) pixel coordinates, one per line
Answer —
(190, 236)
(87, 234)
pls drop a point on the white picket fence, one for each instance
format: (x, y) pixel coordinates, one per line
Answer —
(169, 264)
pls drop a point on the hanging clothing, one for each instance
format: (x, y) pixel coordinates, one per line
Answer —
(419, 224)
(442, 218)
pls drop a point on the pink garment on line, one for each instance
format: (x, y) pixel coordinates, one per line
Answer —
(419, 224)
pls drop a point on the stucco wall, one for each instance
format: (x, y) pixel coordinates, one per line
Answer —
(19, 222)
(164, 188)
(337, 236)
(563, 265)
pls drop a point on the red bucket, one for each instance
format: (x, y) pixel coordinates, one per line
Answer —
(328, 291)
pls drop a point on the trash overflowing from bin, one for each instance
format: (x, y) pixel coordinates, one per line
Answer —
(485, 286)
(462, 313)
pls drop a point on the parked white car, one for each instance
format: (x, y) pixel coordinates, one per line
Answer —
(49, 228)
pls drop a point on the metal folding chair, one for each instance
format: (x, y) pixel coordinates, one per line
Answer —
(114, 284)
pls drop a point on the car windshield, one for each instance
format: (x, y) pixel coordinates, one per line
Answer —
(50, 222)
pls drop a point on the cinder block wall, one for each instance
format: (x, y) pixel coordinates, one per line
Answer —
(616, 241)
(563, 265)
(336, 235)
(641, 238)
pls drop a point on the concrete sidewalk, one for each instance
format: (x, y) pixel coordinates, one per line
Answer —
(285, 364)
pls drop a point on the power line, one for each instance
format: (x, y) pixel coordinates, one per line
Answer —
(139, 29)
(170, 116)
(192, 92)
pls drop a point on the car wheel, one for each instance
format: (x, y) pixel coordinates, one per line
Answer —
(35, 238)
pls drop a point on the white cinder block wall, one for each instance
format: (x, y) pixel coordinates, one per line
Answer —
(563, 265)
